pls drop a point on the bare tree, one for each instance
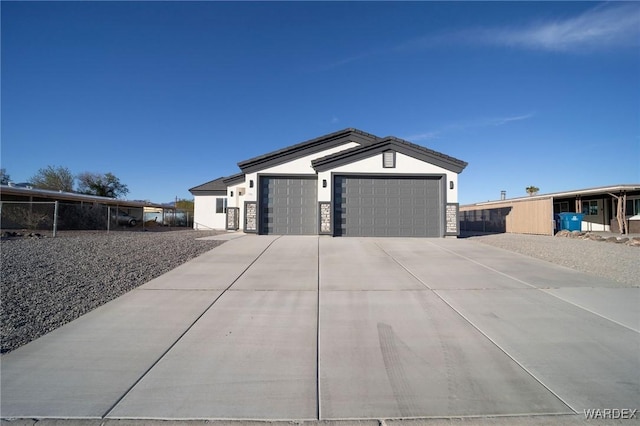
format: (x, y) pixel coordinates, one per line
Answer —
(106, 185)
(186, 205)
(55, 178)
(4, 176)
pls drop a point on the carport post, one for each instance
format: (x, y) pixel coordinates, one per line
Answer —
(108, 218)
(55, 218)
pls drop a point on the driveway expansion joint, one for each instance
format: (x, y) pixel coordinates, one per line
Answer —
(124, 395)
(474, 325)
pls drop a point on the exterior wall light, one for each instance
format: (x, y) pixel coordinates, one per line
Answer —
(324, 183)
(450, 184)
(251, 183)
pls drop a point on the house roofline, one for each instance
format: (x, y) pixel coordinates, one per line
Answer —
(587, 191)
(306, 148)
(416, 151)
(201, 187)
(72, 196)
(234, 179)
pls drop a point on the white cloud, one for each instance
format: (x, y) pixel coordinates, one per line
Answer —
(505, 120)
(422, 136)
(469, 124)
(491, 121)
(603, 26)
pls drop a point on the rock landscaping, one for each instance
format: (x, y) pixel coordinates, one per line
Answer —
(634, 241)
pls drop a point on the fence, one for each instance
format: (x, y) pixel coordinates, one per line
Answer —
(520, 217)
(56, 216)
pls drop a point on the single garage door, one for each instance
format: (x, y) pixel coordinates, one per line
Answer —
(289, 206)
(388, 206)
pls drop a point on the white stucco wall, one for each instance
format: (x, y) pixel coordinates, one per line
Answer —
(300, 166)
(591, 226)
(373, 165)
(238, 198)
(205, 216)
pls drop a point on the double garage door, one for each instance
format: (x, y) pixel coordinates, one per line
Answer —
(387, 206)
(367, 206)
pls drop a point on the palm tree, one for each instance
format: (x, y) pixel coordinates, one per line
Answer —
(532, 190)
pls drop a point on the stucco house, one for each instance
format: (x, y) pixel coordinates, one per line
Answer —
(347, 183)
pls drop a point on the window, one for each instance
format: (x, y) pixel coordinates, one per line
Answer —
(590, 208)
(561, 207)
(389, 159)
(633, 207)
(221, 205)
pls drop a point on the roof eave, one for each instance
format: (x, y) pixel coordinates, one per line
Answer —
(72, 196)
(564, 194)
(235, 179)
(208, 192)
(212, 185)
(404, 147)
(309, 147)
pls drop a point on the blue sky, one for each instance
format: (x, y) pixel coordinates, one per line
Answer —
(169, 95)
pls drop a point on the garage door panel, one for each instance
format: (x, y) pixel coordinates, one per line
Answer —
(395, 221)
(367, 231)
(365, 222)
(406, 209)
(365, 190)
(380, 221)
(309, 222)
(387, 206)
(289, 205)
(432, 212)
(393, 202)
(380, 212)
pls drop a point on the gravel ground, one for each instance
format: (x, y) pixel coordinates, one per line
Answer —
(617, 262)
(48, 282)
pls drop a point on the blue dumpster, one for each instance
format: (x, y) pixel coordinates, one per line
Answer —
(571, 221)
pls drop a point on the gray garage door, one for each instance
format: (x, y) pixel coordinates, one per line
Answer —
(387, 206)
(289, 206)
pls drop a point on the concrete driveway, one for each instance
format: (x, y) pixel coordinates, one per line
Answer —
(304, 328)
